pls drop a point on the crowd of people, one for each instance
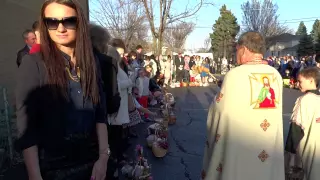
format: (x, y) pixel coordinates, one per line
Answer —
(245, 122)
(166, 71)
(77, 98)
(289, 66)
(81, 93)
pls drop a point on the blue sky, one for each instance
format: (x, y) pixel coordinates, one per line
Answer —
(291, 13)
(290, 10)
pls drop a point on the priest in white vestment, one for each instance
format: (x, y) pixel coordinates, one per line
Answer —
(244, 125)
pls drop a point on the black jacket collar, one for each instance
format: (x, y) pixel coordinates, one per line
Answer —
(316, 91)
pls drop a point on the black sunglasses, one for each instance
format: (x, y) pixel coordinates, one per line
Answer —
(67, 22)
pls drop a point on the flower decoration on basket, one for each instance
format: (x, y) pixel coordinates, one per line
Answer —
(139, 150)
(153, 127)
(140, 170)
(163, 144)
(159, 132)
(169, 100)
(163, 122)
(163, 135)
(160, 148)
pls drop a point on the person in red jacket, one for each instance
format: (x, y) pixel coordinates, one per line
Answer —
(36, 47)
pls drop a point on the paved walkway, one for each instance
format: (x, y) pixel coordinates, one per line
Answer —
(187, 136)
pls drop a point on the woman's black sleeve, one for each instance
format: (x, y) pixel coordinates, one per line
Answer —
(101, 108)
(28, 82)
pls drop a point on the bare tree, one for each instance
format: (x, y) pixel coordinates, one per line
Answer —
(176, 35)
(207, 43)
(261, 16)
(206, 46)
(124, 19)
(166, 16)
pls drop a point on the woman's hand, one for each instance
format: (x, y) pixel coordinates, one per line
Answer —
(100, 168)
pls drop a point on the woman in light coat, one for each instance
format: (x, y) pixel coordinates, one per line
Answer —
(154, 65)
(167, 70)
(116, 123)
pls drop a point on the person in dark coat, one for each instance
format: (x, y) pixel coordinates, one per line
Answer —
(30, 39)
(179, 63)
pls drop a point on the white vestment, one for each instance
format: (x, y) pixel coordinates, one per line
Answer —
(306, 114)
(244, 127)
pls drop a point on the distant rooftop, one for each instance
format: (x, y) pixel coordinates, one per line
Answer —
(282, 38)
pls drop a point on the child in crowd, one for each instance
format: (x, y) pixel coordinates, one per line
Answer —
(133, 66)
(304, 132)
(142, 83)
(133, 62)
(144, 110)
(148, 70)
(204, 75)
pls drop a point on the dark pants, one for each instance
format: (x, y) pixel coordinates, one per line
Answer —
(82, 172)
(212, 70)
(179, 75)
(186, 75)
(116, 141)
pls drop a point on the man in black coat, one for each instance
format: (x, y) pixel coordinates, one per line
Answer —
(30, 39)
(179, 63)
(139, 54)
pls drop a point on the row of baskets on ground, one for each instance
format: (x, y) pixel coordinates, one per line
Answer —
(158, 132)
(290, 83)
(194, 83)
(157, 140)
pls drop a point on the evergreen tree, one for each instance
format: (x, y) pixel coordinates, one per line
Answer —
(315, 33)
(302, 29)
(305, 46)
(317, 46)
(224, 33)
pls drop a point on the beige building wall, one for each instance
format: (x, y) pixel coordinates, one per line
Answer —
(15, 17)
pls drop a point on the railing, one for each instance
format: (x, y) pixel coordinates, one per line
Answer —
(7, 153)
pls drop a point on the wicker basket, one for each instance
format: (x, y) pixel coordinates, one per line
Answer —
(151, 139)
(165, 112)
(165, 123)
(196, 84)
(158, 151)
(184, 84)
(172, 119)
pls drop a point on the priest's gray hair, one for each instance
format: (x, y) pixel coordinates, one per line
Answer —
(253, 41)
(100, 37)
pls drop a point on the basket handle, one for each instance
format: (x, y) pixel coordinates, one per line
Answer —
(156, 133)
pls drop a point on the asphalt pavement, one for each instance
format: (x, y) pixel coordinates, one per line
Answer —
(187, 136)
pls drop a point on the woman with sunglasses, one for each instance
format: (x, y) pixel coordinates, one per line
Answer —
(60, 102)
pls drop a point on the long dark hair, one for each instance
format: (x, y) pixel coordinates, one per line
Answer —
(54, 60)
